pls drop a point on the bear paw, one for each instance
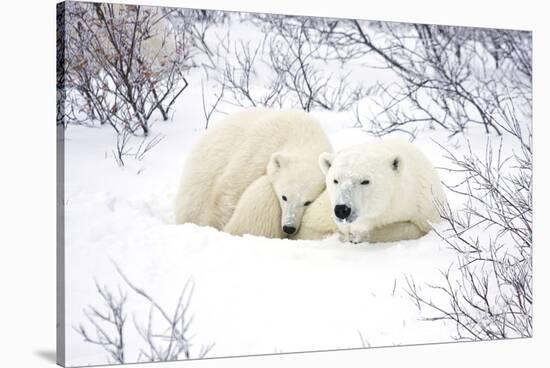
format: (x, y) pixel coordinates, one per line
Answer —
(351, 238)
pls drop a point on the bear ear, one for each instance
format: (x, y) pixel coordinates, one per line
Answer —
(396, 163)
(325, 161)
(276, 161)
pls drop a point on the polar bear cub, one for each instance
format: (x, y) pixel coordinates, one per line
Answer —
(254, 154)
(274, 204)
(384, 190)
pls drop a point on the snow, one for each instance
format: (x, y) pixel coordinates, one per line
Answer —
(251, 295)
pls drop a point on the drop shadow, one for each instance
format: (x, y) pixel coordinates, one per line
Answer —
(47, 355)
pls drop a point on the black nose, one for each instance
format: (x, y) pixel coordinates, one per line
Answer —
(289, 229)
(342, 211)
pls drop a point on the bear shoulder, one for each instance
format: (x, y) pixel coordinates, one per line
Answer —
(317, 222)
(257, 212)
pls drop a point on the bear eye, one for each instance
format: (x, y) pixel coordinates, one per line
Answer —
(335, 181)
(307, 203)
(365, 182)
(284, 198)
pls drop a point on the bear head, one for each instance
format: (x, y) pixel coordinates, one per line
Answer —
(360, 182)
(297, 182)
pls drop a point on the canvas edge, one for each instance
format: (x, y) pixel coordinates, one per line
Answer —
(60, 184)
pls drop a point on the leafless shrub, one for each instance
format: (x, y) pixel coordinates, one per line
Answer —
(242, 73)
(147, 145)
(289, 65)
(488, 294)
(108, 325)
(292, 60)
(123, 149)
(452, 77)
(194, 27)
(296, 55)
(122, 63)
(389, 117)
(209, 111)
(364, 342)
(165, 340)
(61, 93)
(173, 341)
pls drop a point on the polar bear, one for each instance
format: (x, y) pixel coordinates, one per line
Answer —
(254, 151)
(381, 191)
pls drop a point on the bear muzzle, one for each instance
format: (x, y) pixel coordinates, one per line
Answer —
(342, 211)
(290, 230)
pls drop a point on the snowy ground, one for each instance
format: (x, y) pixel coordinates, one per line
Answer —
(251, 295)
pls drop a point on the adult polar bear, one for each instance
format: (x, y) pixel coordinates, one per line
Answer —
(252, 151)
(380, 191)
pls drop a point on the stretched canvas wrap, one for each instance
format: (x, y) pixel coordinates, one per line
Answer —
(235, 184)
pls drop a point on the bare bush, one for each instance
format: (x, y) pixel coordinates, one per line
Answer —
(488, 294)
(195, 27)
(165, 340)
(172, 342)
(451, 77)
(297, 70)
(208, 111)
(243, 73)
(122, 64)
(61, 93)
(108, 325)
(123, 149)
(292, 58)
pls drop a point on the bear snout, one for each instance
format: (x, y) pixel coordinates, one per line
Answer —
(342, 211)
(290, 230)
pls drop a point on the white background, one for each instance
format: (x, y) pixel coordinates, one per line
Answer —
(27, 181)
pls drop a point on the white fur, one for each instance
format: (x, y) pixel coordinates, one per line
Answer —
(317, 222)
(396, 204)
(258, 212)
(282, 146)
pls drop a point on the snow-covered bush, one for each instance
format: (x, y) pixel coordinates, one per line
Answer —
(489, 293)
(167, 340)
(451, 77)
(122, 64)
(291, 64)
